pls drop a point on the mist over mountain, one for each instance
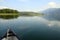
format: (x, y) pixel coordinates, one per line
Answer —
(52, 14)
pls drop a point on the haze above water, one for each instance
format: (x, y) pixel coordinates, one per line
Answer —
(32, 28)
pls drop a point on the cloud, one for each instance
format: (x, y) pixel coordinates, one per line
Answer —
(1, 7)
(52, 4)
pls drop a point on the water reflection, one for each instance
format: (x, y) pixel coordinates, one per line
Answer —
(9, 16)
(32, 28)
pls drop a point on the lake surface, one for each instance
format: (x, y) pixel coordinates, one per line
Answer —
(32, 28)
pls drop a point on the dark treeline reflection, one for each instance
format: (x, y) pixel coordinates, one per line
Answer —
(9, 16)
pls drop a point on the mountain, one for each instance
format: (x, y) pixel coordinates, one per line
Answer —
(52, 14)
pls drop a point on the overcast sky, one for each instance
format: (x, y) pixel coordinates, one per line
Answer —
(30, 5)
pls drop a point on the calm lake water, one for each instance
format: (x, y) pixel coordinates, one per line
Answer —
(32, 28)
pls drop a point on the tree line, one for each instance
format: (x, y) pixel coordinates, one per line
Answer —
(8, 11)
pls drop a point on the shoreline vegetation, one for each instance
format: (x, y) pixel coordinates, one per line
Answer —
(10, 13)
(16, 12)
